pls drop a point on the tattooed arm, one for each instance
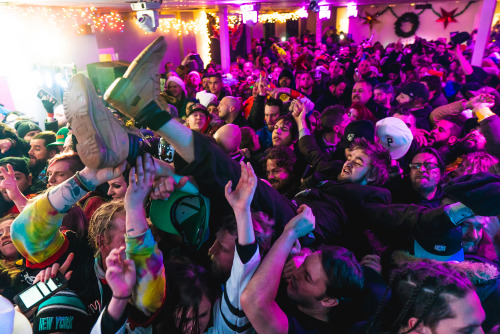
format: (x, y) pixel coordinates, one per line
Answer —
(35, 232)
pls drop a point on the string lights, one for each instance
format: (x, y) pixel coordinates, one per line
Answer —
(280, 17)
(75, 17)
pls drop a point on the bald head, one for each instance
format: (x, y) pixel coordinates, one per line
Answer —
(228, 138)
(229, 108)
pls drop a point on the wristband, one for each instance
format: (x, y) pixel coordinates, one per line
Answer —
(122, 298)
(153, 116)
(81, 183)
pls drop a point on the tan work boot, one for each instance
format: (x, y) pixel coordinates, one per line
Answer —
(103, 140)
(140, 85)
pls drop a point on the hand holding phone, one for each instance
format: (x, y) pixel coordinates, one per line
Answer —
(40, 292)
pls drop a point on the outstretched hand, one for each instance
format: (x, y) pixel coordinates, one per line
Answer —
(139, 185)
(120, 273)
(241, 197)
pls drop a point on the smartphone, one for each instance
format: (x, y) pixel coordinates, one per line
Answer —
(42, 92)
(40, 292)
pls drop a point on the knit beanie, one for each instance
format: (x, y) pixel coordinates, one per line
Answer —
(64, 312)
(177, 81)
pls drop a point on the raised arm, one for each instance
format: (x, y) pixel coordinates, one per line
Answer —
(149, 291)
(240, 200)
(8, 182)
(258, 299)
(35, 232)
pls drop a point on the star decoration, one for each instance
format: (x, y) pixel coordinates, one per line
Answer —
(371, 19)
(447, 17)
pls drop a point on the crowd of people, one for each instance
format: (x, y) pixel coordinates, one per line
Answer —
(315, 188)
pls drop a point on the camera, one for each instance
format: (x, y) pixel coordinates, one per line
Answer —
(147, 16)
(148, 20)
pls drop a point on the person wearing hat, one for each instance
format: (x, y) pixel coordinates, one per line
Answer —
(15, 184)
(197, 118)
(64, 312)
(416, 96)
(175, 94)
(27, 130)
(60, 139)
(38, 236)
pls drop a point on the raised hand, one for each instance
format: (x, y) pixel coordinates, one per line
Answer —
(298, 111)
(241, 198)
(5, 145)
(120, 273)
(8, 182)
(303, 223)
(139, 186)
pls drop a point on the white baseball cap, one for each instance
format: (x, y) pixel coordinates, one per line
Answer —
(394, 135)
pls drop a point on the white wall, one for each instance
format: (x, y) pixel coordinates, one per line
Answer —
(429, 29)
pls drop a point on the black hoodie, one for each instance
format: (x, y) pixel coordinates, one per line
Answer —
(288, 74)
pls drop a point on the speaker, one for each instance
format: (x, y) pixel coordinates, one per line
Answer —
(103, 74)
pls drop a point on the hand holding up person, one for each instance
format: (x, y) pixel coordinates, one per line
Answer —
(137, 191)
(140, 184)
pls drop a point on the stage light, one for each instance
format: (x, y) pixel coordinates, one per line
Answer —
(302, 12)
(61, 81)
(313, 6)
(48, 79)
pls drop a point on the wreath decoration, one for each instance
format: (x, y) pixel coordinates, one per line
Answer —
(407, 17)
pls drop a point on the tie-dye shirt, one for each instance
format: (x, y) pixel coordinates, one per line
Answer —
(37, 236)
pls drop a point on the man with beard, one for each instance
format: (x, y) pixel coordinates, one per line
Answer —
(325, 283)
(383, 94)
(426, 176)
(39, 155)
(280, 163)
(474, 239)
(248, 68)
(362, 93)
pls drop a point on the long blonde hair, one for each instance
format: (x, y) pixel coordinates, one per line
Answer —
(6, 266)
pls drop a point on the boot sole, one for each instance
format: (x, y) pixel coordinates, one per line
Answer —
(120, 85)
(79, 111)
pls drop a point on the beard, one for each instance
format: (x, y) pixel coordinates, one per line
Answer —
(218, 274)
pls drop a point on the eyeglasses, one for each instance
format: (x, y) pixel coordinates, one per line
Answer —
(427, 165)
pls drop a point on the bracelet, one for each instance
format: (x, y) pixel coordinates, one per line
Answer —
(81, 184)
(122, 298)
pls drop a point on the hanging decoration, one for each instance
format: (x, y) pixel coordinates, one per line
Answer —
(371, 19)
(411, 18)
(447, 17)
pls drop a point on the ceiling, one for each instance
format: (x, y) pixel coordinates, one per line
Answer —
(209, 4)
